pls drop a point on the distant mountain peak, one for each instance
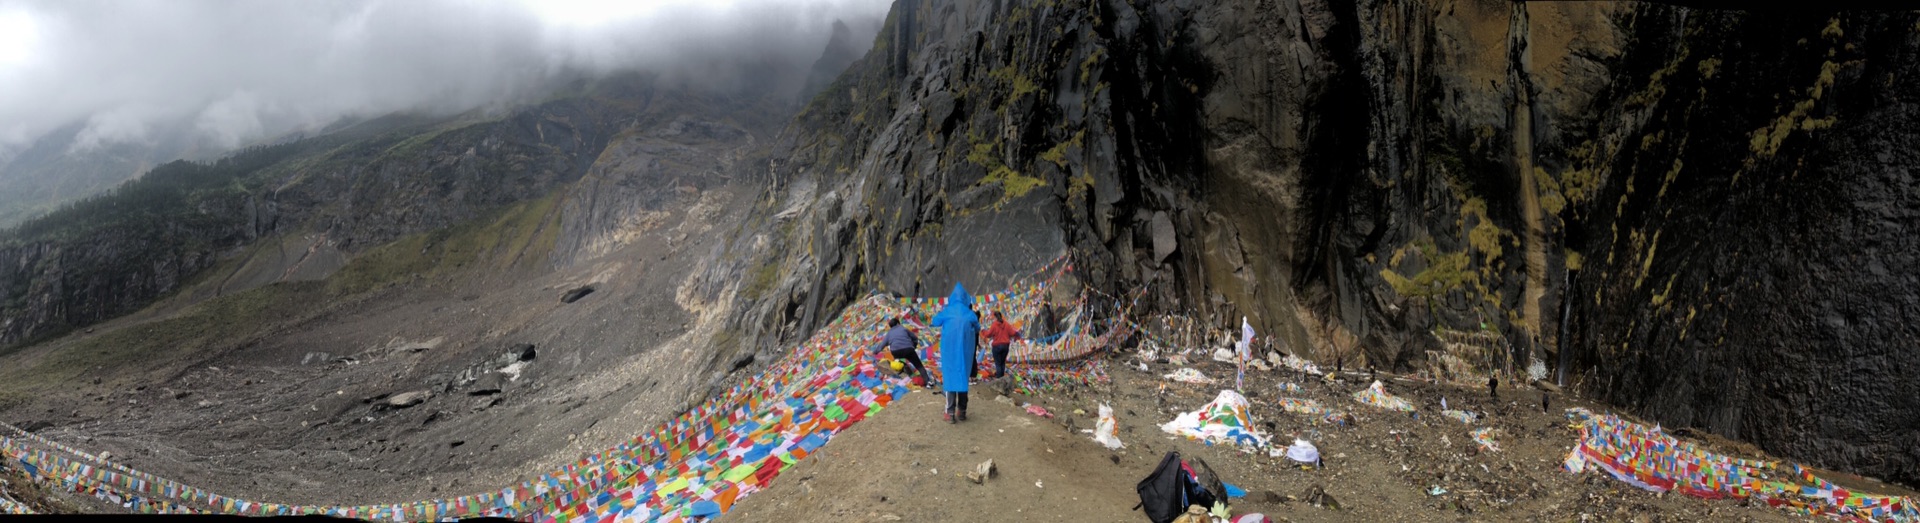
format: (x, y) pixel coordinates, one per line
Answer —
(840, 53)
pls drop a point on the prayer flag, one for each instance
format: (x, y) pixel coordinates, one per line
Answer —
(1240, 355)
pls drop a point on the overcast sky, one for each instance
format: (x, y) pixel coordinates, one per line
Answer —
(239, 70)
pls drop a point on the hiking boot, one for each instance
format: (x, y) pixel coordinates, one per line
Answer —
(963, 415)
(948, 416)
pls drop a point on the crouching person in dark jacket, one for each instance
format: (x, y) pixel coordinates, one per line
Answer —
(901, 343)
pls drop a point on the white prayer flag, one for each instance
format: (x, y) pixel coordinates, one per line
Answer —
(1246, 336)
(1240, 357)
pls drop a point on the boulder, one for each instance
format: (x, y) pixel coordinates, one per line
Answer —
(740, 362)
(1164, 239)
(408, 399)
(1318, 497)
(576, 293)
(484, 403)
(521, 352)
(486, 384)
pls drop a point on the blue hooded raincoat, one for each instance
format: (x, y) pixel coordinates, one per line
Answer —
(959, 327)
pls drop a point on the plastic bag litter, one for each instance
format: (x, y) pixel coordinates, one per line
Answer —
(1189, 375)
(1106, 432)
(1223, 355)
(1234, 491)
(1303, 452)
(985, 471)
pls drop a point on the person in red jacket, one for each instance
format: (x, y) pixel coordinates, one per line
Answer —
(1000, 335)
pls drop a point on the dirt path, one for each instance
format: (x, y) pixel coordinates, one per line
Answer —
(905, 464)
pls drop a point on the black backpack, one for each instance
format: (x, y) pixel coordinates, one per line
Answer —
(1167, 491)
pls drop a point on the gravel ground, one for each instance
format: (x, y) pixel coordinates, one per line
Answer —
(904, 464)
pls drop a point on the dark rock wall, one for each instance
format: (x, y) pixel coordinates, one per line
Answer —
(1715, 202)
(976, 141)
(1751, 265)
(47, 287)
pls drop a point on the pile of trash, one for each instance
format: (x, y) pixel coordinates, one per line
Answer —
(1224, 421)
(1189, 375)
(1484, 437)
(1300, 364)
(1650, 459)
(1306, 406)
(1036, 410)
(1462, 416)
(1376, 395)
(1312, 410)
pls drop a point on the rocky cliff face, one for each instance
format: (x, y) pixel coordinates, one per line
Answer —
(352, 190)
(1751, 255)
(1698, 215)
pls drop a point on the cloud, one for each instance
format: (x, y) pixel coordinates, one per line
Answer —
(242, 70)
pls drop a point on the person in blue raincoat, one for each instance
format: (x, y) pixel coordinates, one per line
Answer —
(959, 328)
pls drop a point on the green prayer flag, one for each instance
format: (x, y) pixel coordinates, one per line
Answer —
(740, 472)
